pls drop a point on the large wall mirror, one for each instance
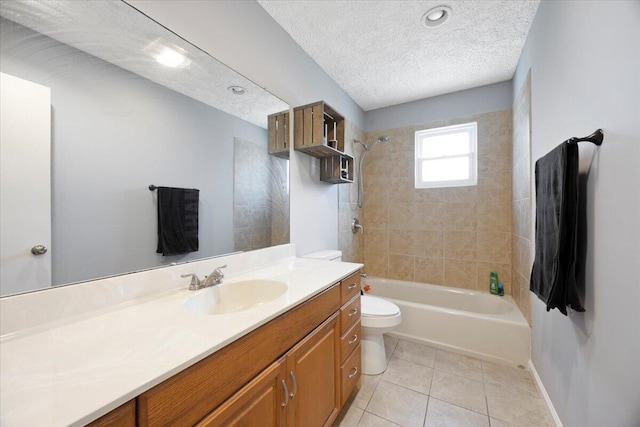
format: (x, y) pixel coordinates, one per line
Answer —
(98, 103)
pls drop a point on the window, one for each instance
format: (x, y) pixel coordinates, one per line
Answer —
(447, 156)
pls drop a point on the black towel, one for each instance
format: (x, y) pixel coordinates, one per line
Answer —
(553, 277)
(177, 220)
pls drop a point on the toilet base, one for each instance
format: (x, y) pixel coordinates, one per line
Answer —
(374, 358)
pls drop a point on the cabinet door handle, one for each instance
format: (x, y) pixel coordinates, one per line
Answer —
(353, 312)
(355, 372)
(353, 339)
(295, 384)
(350, 287)
(286, 394)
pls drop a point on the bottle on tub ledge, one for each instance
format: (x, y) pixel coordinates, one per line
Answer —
(493, 282)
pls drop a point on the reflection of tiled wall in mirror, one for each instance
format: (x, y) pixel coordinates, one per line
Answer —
(261, 197)
(350, 244)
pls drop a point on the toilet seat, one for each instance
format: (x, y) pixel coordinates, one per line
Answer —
(378, 313)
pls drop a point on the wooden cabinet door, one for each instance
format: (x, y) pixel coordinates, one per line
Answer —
(313, 369)
(261, 403)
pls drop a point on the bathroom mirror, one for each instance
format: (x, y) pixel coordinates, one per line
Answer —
(130, 104)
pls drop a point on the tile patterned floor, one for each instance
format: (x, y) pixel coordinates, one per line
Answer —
(427, 387)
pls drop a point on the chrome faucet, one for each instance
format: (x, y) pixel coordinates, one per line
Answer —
(215, 278)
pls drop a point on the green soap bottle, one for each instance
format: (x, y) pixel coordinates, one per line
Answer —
(493, 282)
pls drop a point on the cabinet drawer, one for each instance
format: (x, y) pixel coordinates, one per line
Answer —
(349, 341)
(350, 374)
(123, 416)
(349, 287)
(349, 314)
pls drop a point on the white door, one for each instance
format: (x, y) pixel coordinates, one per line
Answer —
(25, 185)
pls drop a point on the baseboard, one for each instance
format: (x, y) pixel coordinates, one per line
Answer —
(547, 400)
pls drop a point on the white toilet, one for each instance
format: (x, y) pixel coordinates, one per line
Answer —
(377, 317)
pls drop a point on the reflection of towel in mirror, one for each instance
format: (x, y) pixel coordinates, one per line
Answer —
(177, 220)
(553, 277)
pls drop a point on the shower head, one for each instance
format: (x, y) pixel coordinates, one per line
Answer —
(382, 138)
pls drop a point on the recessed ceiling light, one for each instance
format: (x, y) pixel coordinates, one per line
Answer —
(237, 90)
(168, 54)
(436, 16)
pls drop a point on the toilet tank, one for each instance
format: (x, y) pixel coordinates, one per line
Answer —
(329, 255)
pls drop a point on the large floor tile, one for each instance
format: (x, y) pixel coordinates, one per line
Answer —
(505, 375)
(443, 414)
(370, 420)
(517, 406)
(398, 404)
(409, 375)
(416, 353)
(459, 391)
(349, 416)
(365, 389)
(499, 423)
(459, 364)
(390, 344)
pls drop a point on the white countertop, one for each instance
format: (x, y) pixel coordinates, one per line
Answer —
(73, 373)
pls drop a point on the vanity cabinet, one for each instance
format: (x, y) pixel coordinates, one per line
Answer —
(122, 416)
(296, 370)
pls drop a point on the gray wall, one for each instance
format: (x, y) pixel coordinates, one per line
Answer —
(114, 133)
(585, 68)
(483, 99)
(243, 35)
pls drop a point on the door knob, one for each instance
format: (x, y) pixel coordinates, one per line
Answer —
(39, 250)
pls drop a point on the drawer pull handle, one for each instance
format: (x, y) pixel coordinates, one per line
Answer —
(350, 287)
(295, 384)
(355, 372)
(286, 394)
(353, 312)
(354, 339)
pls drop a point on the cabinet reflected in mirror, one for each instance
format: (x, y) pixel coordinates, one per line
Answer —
(121, 121)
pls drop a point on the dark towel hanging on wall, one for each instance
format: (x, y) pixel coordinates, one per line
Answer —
(553, 277)
(177, 220)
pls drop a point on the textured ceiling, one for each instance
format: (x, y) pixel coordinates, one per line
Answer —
(117, 33)
(380, 53)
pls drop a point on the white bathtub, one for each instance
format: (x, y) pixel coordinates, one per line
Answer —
(474, 323)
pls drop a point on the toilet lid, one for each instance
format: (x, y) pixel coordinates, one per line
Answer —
(374, 306)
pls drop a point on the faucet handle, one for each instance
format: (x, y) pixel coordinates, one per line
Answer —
(195, 282)
(218, 274)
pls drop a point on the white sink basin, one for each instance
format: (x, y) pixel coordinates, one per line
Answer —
(233, 297)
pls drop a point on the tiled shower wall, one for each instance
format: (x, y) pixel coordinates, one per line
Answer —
(445, 236)
(260, 197)
(521, 240)
(350, 244)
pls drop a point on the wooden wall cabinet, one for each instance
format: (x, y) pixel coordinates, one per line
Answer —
(278, 124)
(318, 130)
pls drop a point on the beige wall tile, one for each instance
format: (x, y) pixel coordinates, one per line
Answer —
(375, 166)
(376, 216)
(460, 274)
(429, 243)
(401, 216)
(461, 194)
(401, 267)
(402, 164)
(401, 242)
(429, 216)
(516, 256)
(401, 190)
(504, 276)
(376, 264)
(429, 270)
(429, 195)
(376, 190)
(494, 247)
(515, 287)
(521, 180)
(376, 240)
(494, 186)
(460, 216)
(494, 216)
(460, 245)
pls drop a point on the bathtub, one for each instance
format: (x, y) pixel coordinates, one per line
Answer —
(474, 323)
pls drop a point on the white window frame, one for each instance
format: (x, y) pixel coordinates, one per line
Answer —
(472, 129)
